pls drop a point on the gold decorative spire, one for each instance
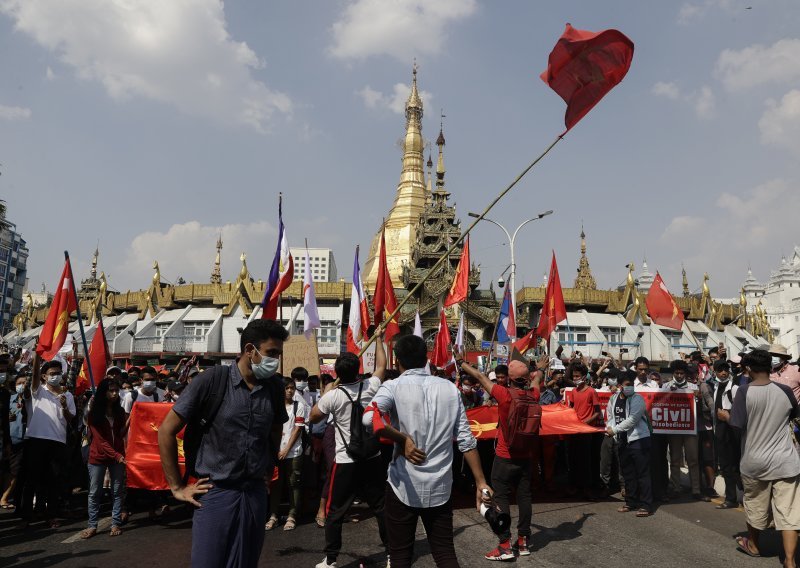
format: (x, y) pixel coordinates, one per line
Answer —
(585, 280)
(94, 262)
(706, 291)
(409, 201)
(157, 275)
(244, 273)
(685, 282)
(440, 171)
(216, 273)
(429, 186)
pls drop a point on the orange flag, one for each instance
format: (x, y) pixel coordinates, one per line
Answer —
(385, 300)
(54, 330)
(460, 288)
(553, 311)
(661, 305)
(98, 357)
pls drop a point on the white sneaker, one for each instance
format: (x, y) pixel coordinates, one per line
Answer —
(388, 562)
(324, 564)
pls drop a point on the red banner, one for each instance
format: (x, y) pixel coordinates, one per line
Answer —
(557, 420)
(144, 461)
(671, 412)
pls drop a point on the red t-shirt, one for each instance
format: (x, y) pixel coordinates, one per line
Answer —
(585, 401)
(503, 398)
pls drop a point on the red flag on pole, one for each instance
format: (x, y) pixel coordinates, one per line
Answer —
(441, 348)
(385, 300)
(98, 357)
(54, 330)
(661, 305)
(553, 311)
(460, 288)
(584, 66)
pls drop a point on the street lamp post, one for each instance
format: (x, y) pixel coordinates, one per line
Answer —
(511, 238)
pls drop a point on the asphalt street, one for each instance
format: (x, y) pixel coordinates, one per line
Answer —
(566, 533)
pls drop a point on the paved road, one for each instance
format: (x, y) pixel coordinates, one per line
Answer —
(566, 533)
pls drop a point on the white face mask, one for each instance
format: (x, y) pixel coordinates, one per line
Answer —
(301, 385)
(20, 389)
(148, 386)
(265, 368)
(54, 380)
(3, 377)
(776, 362)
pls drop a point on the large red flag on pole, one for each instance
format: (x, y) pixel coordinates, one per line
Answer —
(661, 305)
(54, 330)
(460, 288)
(441, 349)
(385, 300)
(98, 357)
(584, 66)
(553, 311)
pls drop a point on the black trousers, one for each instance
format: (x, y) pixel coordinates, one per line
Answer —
(659, 468)
(42, 463)
(401, 520)
(366, 478)
(584, 460)
(635, 461)
(508, 474)
(726, 448)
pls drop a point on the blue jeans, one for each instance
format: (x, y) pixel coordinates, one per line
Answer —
(97, 473)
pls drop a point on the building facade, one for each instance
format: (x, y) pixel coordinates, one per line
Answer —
(13, 272)
(322, 263)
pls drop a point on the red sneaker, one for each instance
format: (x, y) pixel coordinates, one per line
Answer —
(502, 552)
(521, 546)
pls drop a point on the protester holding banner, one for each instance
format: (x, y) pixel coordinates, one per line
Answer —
(627, 422)
(235, 451)
(107, 429)
(770, 465)
(584, 449)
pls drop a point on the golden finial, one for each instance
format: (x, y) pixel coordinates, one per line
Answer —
(216, 273)
(243, 273)
(742, 298)
(584, 279)
(157, 275)
(94, 261)
(414, 102)
(706, 291)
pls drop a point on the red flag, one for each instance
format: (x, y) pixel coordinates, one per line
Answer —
(144, 469)
(385, 300)
(661, 305)
(54, 330)
(460, 288)
(553, 311)
(441, 349)
(525, 342)
(98, 357)
(584, 66)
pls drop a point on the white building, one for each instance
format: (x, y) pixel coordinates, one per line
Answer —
(323, 266)
(13, 272)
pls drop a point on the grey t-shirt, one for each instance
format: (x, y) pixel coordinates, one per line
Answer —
(762, 413)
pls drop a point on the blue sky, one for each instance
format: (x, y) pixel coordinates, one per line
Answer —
(151, 126)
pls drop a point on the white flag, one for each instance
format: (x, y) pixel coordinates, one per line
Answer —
(460, 335)
(417, 326)
(310, 312)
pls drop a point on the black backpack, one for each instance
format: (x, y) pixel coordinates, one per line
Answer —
(197, 428)
(363, 443)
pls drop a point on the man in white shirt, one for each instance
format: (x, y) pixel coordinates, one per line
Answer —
(643, 380)
(366, 476)
(426, 414)
(290, 458)
(52, 407)
(147, 392)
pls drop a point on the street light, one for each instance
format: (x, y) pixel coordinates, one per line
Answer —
(512, 281)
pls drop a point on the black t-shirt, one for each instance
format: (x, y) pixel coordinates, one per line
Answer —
(720, 394)
(619, 415)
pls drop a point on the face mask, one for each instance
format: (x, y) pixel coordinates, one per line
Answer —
(612, 382)
(725, 380)
(3, 377)
(579, 382)
(466, 390)
(20, 389)
(301, 385)
(265, 368)
(148, 386)
(680, 381)
(54, 380)
(628, 390)
(776, 362)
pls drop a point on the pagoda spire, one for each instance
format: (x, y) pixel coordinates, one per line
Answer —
(440, 170)
(685, 282)
(429, 186)
(584, 280)
(94, 262)
(216, 273)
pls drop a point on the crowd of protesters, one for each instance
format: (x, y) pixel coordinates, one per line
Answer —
(317, 461)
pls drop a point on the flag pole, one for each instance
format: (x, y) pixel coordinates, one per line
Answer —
(458, 241)
(80, 319)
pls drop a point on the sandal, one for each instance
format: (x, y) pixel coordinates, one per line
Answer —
(624, 509)
(320, 522)
(290, 524)
(88, 533)
(115, 531)
(743, 545)
(727, 505)
(643, 513)
(271, 523)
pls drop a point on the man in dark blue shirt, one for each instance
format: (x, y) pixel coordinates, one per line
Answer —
(236, 452)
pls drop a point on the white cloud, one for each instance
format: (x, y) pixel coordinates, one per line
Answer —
(394, 101)
(780, 123)
(188, 250)
(177, 52)
(703, 101)
(399, 28)
(757, 65)
(14, 113)
(668, 90)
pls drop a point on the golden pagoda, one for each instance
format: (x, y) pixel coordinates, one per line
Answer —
(409, 202)
(584, 279)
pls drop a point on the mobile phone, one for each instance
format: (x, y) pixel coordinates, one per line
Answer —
(604, 353)
(623, 350)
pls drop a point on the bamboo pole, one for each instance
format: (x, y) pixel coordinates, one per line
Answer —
(458, 241)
